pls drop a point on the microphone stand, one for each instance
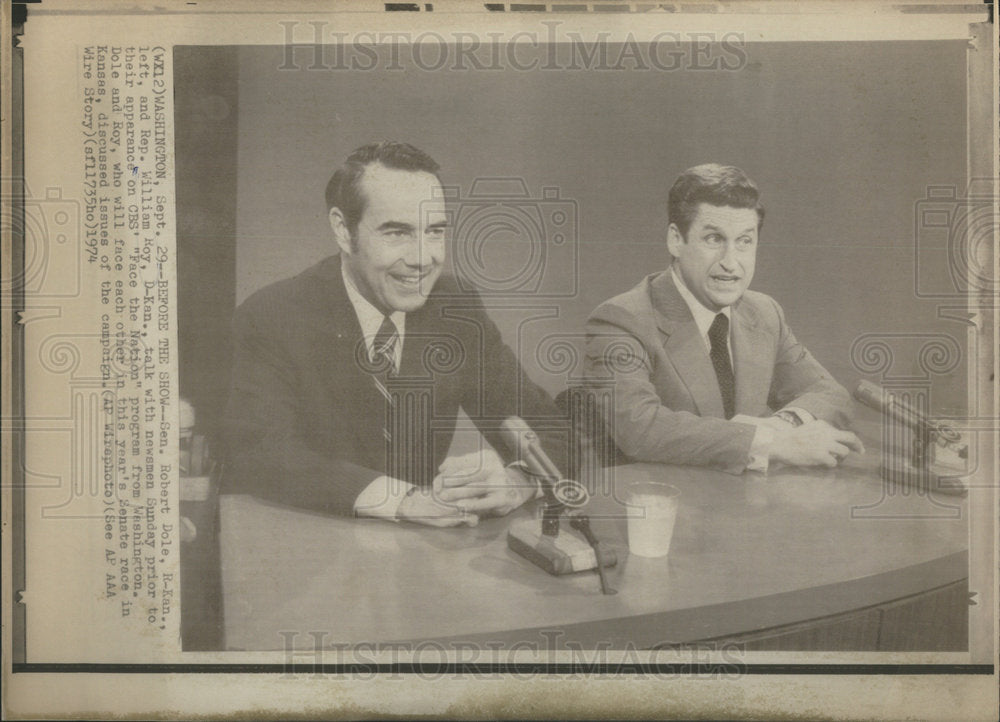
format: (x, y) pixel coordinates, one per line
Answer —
(554, 553)
(916, 471)
(547, 554)
(926, 432)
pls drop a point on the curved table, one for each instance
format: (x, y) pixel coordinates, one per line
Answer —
(795, 559)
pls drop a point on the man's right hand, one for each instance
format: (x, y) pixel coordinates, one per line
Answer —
(815, 443)
(421, 507)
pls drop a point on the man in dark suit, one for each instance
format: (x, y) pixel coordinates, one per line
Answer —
(348, 378)
(705, 372)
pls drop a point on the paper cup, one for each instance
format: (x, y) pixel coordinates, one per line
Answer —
(652, 510)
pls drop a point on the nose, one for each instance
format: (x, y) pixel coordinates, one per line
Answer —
(425, 252)
(728, 260)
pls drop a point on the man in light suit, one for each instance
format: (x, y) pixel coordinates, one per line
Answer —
(348, 378)
(705, 372)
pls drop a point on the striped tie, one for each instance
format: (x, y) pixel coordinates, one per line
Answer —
(384, 362)
(384, 346)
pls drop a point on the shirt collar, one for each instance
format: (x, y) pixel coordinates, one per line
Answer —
(703, 316)
(370, 317)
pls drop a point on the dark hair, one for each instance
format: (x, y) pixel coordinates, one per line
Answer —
(343, 191)
(717, 185)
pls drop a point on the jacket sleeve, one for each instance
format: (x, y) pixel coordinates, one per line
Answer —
(504, 389)
(265, 453)
(800, 380)
(643, 427)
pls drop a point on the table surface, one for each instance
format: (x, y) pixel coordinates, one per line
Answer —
(748, 551)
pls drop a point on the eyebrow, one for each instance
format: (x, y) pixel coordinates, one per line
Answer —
(710, 227)
(395, 226)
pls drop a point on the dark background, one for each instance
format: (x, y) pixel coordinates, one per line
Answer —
(843, 139)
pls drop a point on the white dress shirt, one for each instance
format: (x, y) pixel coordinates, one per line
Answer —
(370, 319)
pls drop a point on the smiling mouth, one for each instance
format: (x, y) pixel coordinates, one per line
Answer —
(410, 280)
(726, 279)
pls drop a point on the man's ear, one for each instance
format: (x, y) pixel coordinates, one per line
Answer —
(674, 240)
(340, 233)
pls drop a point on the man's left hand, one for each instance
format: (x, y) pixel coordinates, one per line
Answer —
(479, 483)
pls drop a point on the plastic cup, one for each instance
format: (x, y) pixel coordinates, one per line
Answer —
(652, 510)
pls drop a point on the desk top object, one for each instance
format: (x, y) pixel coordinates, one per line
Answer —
(563, 554)
(542, 541)
(916, 468)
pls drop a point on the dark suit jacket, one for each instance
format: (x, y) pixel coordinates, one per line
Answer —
(667, 403)
(304, 424)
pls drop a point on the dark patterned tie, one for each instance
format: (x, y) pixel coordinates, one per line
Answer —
(383, 360)
(384, 346)
(718, 335)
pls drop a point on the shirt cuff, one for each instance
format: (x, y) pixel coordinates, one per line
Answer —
(760, 446)
(381, 498)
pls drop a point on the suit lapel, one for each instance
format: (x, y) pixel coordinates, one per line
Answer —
(411, 363)
(753, 365)
(344, 328)
(339, 345)
(684, 346)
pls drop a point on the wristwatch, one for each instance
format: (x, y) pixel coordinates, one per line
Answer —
(789, 416)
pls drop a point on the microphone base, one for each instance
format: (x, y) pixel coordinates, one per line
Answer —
(898, 471)
(566, 553)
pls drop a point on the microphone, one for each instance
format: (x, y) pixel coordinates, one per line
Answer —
(560, 493)
(875, 397)
(522, 439)
(927, 433)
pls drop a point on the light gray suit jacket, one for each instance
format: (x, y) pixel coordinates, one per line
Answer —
(667, 403)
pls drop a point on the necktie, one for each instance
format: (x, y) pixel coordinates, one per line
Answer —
(718, 335)
(383, 361)
(384, 346)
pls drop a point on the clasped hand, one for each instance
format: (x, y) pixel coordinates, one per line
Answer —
(467, 488)
(815, 443)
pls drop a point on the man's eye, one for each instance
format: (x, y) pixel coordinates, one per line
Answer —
(713, 240)
(744, 241)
